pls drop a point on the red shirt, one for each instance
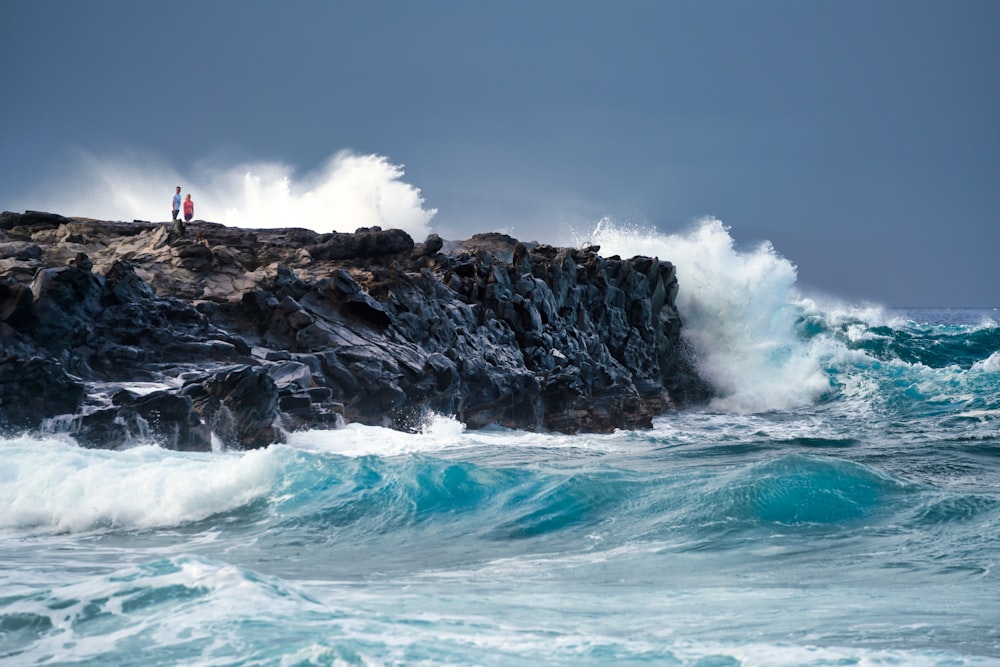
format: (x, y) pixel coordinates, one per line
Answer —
(188, 207)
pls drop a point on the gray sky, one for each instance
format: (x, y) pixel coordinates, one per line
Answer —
(862, 139)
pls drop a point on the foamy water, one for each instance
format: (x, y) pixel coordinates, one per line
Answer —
(80, 490)
(741, 311)
(836, 504)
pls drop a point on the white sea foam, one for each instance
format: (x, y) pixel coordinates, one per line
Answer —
(439, 432)
(134, 604)
(347, 192)
(862, 332)
(990, 364)
(740, 310)
(53, 486)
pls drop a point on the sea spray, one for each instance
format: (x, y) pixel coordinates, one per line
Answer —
(348, 191)
(438, 432)
(858, 529)
(741, 313)
(846, 518)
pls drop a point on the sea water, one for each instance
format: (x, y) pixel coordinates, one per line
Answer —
(837, 504)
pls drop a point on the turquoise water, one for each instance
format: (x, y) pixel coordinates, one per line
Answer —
(861, 527)
(837, 504)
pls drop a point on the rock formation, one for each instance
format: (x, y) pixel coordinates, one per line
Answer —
(119, 333)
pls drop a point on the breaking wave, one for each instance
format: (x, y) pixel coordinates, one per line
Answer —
(348, 191)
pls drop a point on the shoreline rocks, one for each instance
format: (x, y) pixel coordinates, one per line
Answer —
(249, 334)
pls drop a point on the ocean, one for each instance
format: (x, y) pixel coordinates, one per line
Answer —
(837, 504)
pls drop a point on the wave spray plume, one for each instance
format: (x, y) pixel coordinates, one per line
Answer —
(741, 311)
(347, 192)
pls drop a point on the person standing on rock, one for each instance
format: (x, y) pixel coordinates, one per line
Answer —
(177, 203)
(188, 209)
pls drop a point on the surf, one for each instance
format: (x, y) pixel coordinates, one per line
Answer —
(765, 346)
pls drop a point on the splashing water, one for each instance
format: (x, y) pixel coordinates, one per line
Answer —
(351, 191)
(347, 192)
(741, 312)
(769, 529)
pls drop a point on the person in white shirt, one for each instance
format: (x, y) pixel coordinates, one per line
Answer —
(177, 203)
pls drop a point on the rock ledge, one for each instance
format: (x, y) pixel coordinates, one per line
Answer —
(118, 333)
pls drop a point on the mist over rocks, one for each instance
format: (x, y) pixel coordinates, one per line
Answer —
(120, 333)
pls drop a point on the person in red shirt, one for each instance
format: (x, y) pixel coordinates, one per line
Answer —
(188, 209)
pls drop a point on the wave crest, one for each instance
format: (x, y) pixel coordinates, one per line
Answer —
(741, 312)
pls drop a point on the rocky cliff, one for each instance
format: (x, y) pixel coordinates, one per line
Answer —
(126, 332)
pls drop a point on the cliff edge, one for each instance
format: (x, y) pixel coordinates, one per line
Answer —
(125, 332)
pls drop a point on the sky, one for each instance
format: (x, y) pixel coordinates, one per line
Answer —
(860, 138)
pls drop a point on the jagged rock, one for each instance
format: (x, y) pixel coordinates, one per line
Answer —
(166, 418)
(16, 303)
(194, 257)
(20, 251)
(365, 243)
(124, 285)
(33, 390)
(430, 247)
(258, 332)
(36, 220)
(67, 301)
(239, 404)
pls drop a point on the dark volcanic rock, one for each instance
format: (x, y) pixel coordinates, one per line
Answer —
(239, 404)
(162, 417)
(364, 243)
(16, 301)
(33, 390)
(34, 220)
(257, 332)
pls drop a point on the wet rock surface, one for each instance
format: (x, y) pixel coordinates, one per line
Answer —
(126, 332)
